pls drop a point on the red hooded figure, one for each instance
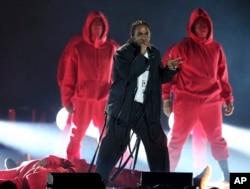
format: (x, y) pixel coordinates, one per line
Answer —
(33, 174)
(85, 78)
(199, 90)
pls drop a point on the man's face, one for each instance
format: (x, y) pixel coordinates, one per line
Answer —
(97, 27)
(141, 34)
(201, 27)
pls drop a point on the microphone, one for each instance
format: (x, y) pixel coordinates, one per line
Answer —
(149, 50)
(150, 53)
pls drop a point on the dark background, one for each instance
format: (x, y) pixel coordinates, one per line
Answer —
(33, 34)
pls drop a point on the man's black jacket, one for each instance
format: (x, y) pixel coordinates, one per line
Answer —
(129, 63)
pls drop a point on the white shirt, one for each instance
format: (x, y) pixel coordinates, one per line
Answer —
(142, 81)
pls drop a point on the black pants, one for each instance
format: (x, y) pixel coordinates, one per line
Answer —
(117, 137)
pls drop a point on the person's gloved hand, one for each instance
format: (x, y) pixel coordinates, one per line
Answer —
(70, 109)
(229, 108)
(167, 107)
(42, 163)
(174, 63)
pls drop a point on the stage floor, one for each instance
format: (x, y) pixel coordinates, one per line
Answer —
(42, 139)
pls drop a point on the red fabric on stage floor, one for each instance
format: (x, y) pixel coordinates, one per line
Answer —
(28, 177)
(126, 179)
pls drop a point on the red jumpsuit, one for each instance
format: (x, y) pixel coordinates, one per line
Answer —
(26, 176)
(199, 147)
(64, 59)
(86, 82)
(199, 90)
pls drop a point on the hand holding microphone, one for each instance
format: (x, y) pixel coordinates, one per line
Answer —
(145, 47)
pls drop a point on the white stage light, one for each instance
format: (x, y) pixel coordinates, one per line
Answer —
(61, 122)
(61, 118)
(171, 120)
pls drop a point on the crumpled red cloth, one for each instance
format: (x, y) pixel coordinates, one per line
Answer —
(26, 176)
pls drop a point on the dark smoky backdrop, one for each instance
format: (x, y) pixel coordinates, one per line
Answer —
(34, 33)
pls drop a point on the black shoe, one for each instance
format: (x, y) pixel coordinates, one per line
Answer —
(9, 163)
(201, 179)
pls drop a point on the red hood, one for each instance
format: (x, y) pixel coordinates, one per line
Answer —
(86, 28)
(194, 15)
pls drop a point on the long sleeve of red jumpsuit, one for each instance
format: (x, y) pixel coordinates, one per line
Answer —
(65, 56)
